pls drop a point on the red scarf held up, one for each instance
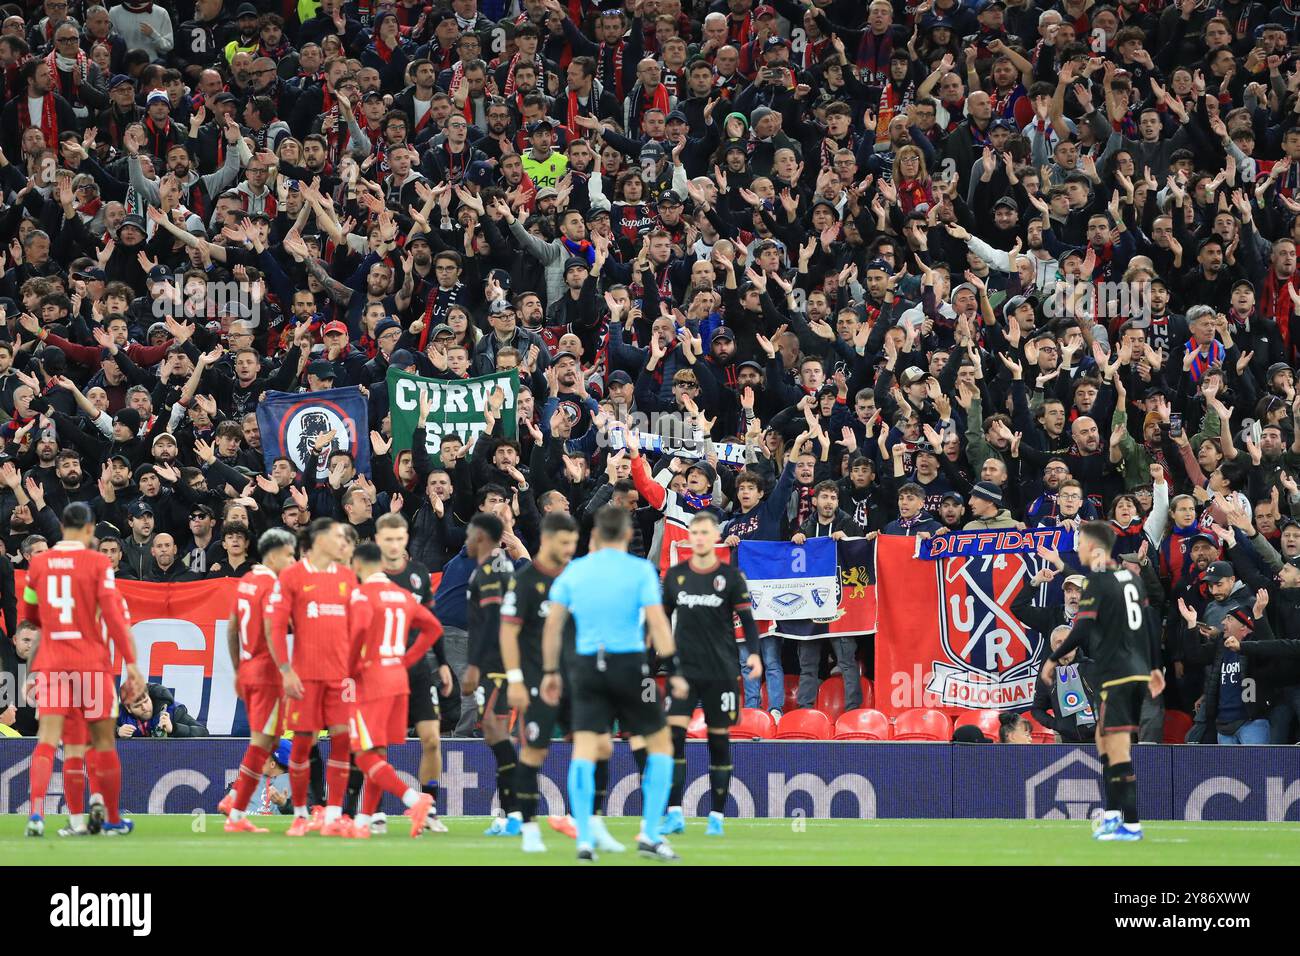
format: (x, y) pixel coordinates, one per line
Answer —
(1275, 302)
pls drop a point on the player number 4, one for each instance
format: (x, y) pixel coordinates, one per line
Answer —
(59, 595)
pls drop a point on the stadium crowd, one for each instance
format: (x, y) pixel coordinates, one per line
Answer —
(851, 268)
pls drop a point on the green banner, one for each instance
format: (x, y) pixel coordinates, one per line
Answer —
(456, 407)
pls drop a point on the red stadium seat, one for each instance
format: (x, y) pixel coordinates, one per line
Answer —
(791, 694)
(1041, 734)
(923, 725)
(986, 720)
(1177, 724)
(830, 696)
(753, 723)
(864, 724)
(697, 729)
(804, 725)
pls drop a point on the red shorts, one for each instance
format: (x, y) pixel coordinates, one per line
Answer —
(379, 723)
(88, 694)
(76, 732)
(265, 706)
(324, 704)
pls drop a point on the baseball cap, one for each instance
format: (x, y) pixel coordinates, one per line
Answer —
(677, 116)
(162, 436)
(619, 377)
(722, 332)
(160, 274)
(338, 328)
(1202, 536)
(401, 359)
(225, 96)
(1075, 580)
(1219, 571)
(1008, 202)
(947, 495)
(764, 10)
(140, 507)
(322, 370)
(652, 148)
(912, 375)
(1003, 123)
(773, 42)
(442, 328)
(480, 174)
(133, 220)
(574, 262)
(118, 79)
(670, 198)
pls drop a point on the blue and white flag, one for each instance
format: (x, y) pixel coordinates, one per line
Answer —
(291, 422)
(791, 582)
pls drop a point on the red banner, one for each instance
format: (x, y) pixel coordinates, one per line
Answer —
(180, 641)
(947, 638)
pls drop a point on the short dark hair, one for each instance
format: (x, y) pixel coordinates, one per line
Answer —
(367, 552)
(557, 522)
(611, 524)
(76, 516)
(488, 524)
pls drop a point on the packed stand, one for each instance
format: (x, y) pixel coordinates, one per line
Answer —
(936, 267)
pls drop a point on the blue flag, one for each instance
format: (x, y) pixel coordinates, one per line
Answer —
(791, 582)
(292, 422)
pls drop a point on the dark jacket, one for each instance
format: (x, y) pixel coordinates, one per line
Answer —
(183, 725)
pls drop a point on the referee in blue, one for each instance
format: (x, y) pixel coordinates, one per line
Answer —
(614, 597)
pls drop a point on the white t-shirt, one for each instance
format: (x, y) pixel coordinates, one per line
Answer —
(35, 109)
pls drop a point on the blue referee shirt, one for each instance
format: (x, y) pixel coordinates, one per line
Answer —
(607, 593)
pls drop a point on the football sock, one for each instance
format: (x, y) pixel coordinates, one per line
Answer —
(106, 779)
(74, 785)
(41, 769)
(719, 770)
(655, 783)
(299, 772)
(602, 786)
(382, 777)
(336, 775)
(582, 794)
(526, 795)
(679, 766)
(250, 774)
(507, 760)
(1127, 791)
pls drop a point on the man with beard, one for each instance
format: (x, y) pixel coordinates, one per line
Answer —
(449, 155)
(197, 191)
(70, 484)
(499, 141)
(507, 333)
(41, 108)
(416, 101)
(567, 396)
(585, 96)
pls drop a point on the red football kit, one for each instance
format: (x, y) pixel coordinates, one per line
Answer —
(258, 681)
(382, 616)
(317, 602)
(71, 595)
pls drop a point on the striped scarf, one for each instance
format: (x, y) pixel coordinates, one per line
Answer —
(1202, 363)
(1176, 554)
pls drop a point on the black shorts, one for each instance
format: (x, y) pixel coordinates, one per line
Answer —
(1121, 704)
(537, 728)
(719, 699)
(623, 691)
(423, 703)
(495, 699)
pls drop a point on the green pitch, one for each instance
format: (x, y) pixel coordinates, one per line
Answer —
(747, 843)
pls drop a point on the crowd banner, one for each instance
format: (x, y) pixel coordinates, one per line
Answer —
(456, 407)
(791, 582)
(291, 422)
(180, 633)
(967, 544)
(772, 779)
(734, 453)
(857, 589)
(948, 639)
